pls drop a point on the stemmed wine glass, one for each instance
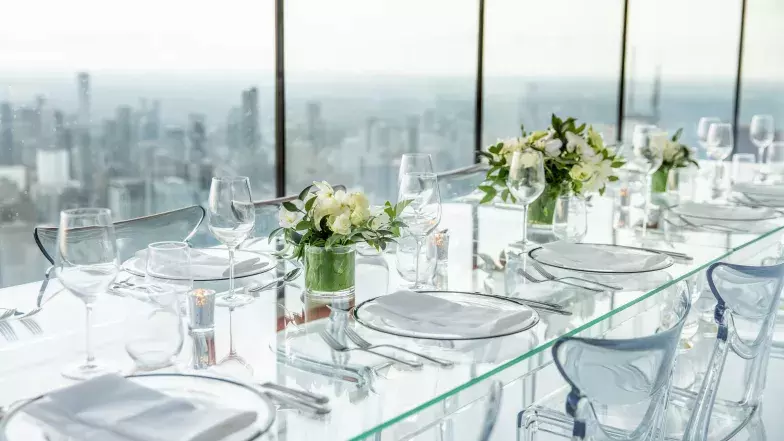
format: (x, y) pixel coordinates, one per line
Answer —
(414, 162)
(702, 130)
(648, 145)
(157, 336)
(526, 182)
(762, 133)
(720, 142)
(423, 213)
(86, 263)
(232, 217)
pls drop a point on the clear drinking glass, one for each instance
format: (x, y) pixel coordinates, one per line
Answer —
(762, 132)
(775, 165)
(156, 336)
(648, 147)
(232, 217)
(414, 163)
(570, 220)
(406, 259)
(743, 168)
(423, 213)
(702, 130)
(86, 263)
(526, 182)
(720, 143)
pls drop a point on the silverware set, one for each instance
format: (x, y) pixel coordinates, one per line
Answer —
(337, 346)
(362, 343)
(296, 398)
(548, 277)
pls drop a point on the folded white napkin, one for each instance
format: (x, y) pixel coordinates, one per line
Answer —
(203, 265)
(430, 314)
(722, 212)
(596, 258)
(113, 408)
(772, 191)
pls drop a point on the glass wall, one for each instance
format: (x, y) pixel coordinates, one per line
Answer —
(681, 63)
(369, 80)
(762, 90)
(132, 107)
(540, 60)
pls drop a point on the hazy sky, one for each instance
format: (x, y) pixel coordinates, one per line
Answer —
(689, 38)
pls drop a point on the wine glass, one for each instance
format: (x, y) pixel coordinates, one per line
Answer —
(720, 142)
(762, 133)
(86, 263)
(648, 147)
(702, 130)
(775, 165)
(232, 217)
(526, 182)
(570, 220)
(405, 259)
(414, 162)
(423, 213)
(156, 337)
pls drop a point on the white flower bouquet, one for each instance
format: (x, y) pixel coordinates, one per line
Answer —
(322, 225)
(675, 155)
(576, 160)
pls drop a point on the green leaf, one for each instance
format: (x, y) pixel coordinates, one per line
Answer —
(304, 193)
(303, 225)
(612, 178)
(496, 148)
(616, 164)
(400, 206)
(677, 134)
(274, 233)
(485, 154)
(505, 194)
(290, 207)
(309, 204)
(490, 194)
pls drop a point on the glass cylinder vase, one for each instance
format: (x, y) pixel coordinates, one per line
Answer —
(659, 180)
(330, 272)
(541, 211)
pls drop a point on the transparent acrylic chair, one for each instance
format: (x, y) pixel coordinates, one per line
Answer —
(618, 389)
(747, 300)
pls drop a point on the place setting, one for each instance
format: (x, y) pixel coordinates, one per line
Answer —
(721, 218)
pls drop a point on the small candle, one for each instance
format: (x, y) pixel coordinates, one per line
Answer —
(201, 309)
(441, 241)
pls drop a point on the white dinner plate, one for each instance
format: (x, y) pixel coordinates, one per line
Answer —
(599, 258)
(769, 191)
(216, 267)
(732, 213)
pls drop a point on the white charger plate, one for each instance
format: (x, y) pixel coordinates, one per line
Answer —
(600, 258)
(263, 262)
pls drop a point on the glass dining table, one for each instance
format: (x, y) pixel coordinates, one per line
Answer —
(278, 335)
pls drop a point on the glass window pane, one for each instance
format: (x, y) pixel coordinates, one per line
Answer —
(133, 108)
(681, 62)
(762, 83)
(540, 60)
(369, 80)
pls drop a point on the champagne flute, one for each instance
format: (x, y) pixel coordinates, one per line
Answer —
(762, 132)
(86, 263)
(648, 145)
(414, 162)
(570, 220)
(157, 336)
(232, 217)
(720, 142)
(423, 213)
(526, 182)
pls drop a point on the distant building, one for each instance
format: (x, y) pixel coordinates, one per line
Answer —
(84, 98)
(53, 167)
(251, 135)
(124, 137)
(315, 125)
(126, 197)
(7, 150)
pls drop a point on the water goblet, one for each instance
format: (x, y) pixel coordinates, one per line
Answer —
(526, 183)
(648, 146)
(86, 263)
(423, 212)
(702, 130)
(414, 162)
(232, 217)
(720, 143)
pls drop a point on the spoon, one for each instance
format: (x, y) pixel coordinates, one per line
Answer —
(288, 277)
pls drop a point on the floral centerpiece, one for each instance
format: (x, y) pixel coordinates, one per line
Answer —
(322, 225)
(575, 160)
(675, 155)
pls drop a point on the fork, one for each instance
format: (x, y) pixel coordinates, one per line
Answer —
(712, 227)
(549, 276)
(339, 347)
(32, 326)
(27, 314)
(8, 332)
(362, 343)
(533, 279)
(7, 313)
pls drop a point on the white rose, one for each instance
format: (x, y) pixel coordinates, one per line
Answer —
(671, 151)
(342, 199)
(341, 224)
(575, 142)
(359, 216)
(358, 200)
(553, 148)
(581, 172)
(289, 219)
(324, 188)
(325, 205)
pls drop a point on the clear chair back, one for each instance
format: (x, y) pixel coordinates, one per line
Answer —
(620, 388)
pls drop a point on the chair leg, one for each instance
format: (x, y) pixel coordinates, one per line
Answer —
(539, 418)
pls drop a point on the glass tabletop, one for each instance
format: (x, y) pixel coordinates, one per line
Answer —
(278, 335)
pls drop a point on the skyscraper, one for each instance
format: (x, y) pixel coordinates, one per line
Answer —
(7, 151)
(251, 136)
(122, 153)
(83, 83)
(315, 126)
